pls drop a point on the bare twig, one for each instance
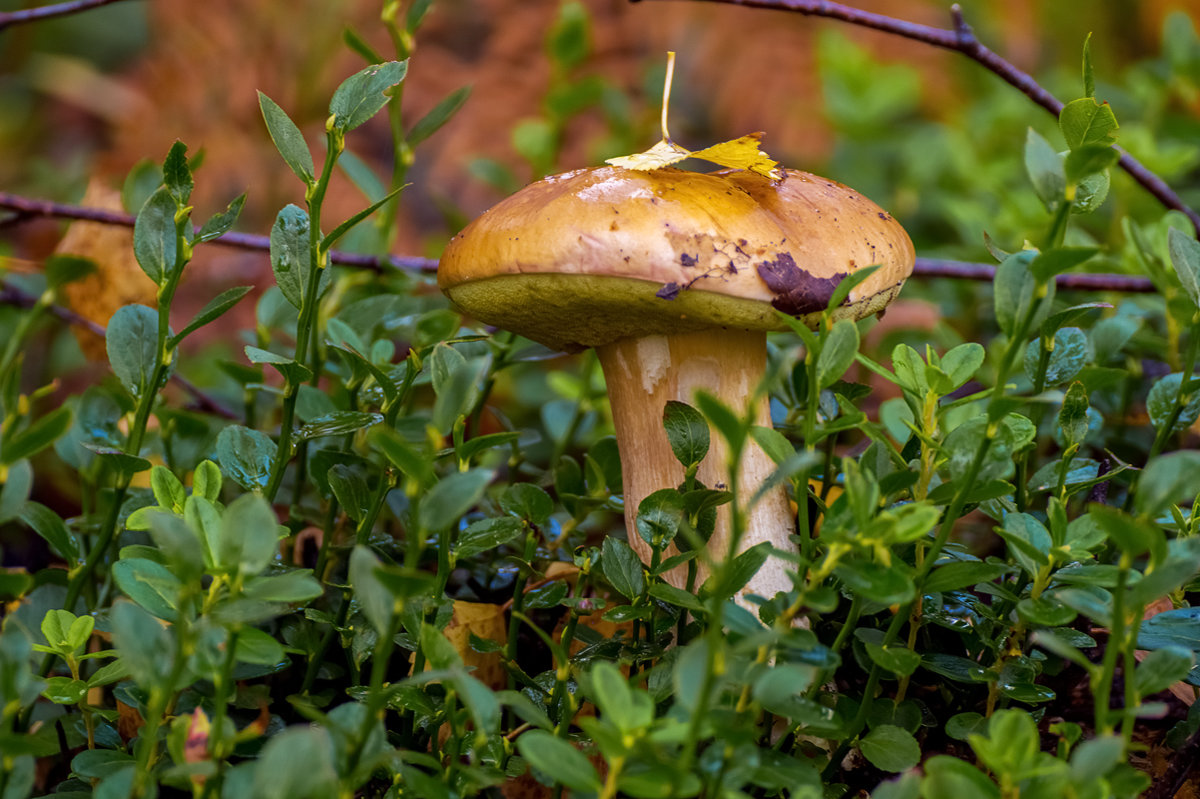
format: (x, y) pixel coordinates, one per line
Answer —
(962, 40)
(1080, 281)
(14, 295)
(48, 12)
(27, 208)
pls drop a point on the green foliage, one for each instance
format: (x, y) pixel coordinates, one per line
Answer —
(399, 568)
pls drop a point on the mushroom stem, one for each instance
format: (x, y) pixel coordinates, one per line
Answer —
(642, 375)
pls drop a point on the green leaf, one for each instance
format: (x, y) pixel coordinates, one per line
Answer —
(1045, 168)
(451, 498)
(1045, 611)
(848, 284)
(481, 702)
(676, 596)
(17, 487)
(1185, 257)
(332, 237)
(150, 584)
(781, 688)
(1161, 403)
(169, 493)
(63, 269)
(1015, 290)
(1162, 668)
(738, 572)
(338, 423)
(487, 534)
(47, 524)
(1173, 478)
(1073, 417)
(291, 259)
(351, 490)
(1089, 74)
(895, 658)
(402, 454)
(837, 352)
(145, 646)
(960, 365)
(1070, 354)
(687, 433)
(259, 648)
(622, 568)
(64, 690)
(247, 456)
(948, 777)
(659, 516)
(221, 223)
(1089, 160)
(888, 585)
(154, 236)
(1049, 263)
(962, 574)
(293, 372)
(297, 763)
(42, 433)
(890, 748)
(1171, 628)
(362, 94)
(178, 542)
(529, 502)
(1084, 121)
(249, 537)
(376, 601)
(472, 447)
(626, 709)
(293, 586)
(438, 650)
(213, 310)
(177, 178)
(132, 343)
(206, 480)
(721, 417)
(1180, 564)
(559, 761)
(289, 141)
(440, 114)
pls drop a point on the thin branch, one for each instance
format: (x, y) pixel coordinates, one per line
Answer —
(48, 12)
(962, 40)
(27, 208)
(14, 295)
(1079, 281)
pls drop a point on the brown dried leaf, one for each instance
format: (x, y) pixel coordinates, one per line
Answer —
(117, 281)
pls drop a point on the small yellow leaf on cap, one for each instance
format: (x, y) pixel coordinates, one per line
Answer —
(743, 153)
(660, 155)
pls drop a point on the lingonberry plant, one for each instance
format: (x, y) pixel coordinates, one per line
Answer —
(400, 567)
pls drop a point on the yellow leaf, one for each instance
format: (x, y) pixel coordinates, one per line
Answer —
(743, 153)
(662, 154)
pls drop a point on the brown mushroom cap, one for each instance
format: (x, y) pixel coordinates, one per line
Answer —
(588, 257)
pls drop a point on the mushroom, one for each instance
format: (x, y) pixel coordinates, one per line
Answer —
(675, 277)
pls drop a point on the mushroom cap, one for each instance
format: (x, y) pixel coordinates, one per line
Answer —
(587, 257)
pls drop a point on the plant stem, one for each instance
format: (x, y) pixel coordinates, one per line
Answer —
(310, 301)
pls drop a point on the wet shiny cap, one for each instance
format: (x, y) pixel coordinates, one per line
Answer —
(588, 257)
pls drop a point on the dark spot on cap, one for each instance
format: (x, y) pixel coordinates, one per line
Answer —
(797, 292)
(882, 215)
(688, 260)
(669, 291)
